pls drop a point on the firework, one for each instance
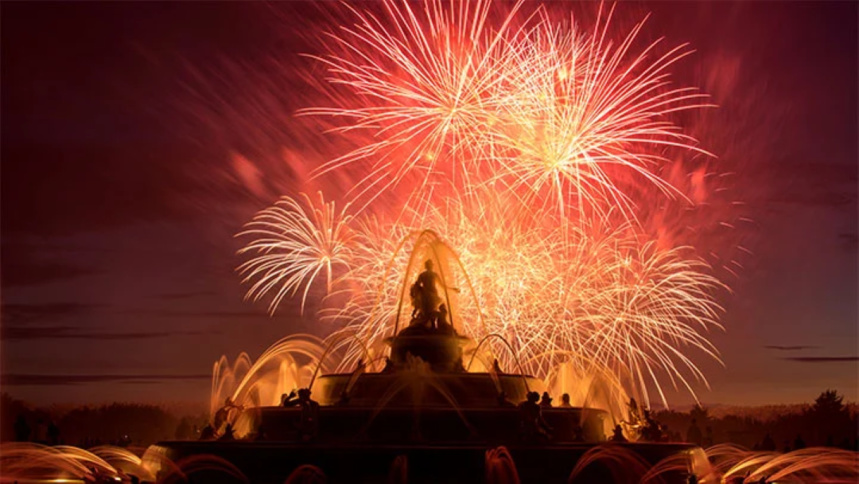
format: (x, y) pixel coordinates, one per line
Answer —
(553, 112)
(590, 116)
(293, 242)
(424, 80)
(595, 298)
(525, 143)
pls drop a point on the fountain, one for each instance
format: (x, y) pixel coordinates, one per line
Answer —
(428, 407)
(426, 401)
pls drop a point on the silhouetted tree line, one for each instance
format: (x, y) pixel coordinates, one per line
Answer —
(116, 424)
(826, 422)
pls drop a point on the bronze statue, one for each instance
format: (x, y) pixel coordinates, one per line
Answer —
(427, 293)
(426, 302)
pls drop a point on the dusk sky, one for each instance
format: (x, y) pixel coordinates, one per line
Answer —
(138, 138)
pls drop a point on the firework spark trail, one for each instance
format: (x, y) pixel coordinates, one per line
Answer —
(424, 81)
(293, 243)
(370, 286)
(549, 108)
(609, 302)
(644, 307)
(600, 300)
(594, 109)
(513, 132)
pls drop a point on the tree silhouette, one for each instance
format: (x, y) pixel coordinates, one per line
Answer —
(829, 405)
(700, 414)
(828, 418)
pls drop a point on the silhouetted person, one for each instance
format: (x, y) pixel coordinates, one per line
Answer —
(208, 433)
(228, 433)
(496, 367)
(546, 401)
(531, 420)
(693, 435)
(768, 443)
(617, 434)
(798, 443)
(308, 426)
(693, 479)
(565, 400)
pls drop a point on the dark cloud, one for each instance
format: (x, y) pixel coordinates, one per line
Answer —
(17, 379)
(70, 332)
(822, 359)
(199, 314)
(185, 295)
(789, 348)
(31, 273)
(13, 314)
(20, 314)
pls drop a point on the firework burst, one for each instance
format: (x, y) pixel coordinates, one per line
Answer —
(589, 115)
(526, 146)
(425, 81)
(294, 241)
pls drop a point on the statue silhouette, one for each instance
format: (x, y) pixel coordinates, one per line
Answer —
(427, 290)
(441, 319)
(228, 433)
(617, 434)
(290, 400)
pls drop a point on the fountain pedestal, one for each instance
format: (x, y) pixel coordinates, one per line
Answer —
(442, 350)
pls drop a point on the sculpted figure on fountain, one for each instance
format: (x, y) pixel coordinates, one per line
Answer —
(427, 309)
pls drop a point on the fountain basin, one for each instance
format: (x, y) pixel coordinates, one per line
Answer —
(272, 462)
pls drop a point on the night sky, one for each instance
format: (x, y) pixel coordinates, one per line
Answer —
(137, 138)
